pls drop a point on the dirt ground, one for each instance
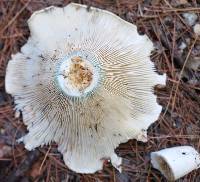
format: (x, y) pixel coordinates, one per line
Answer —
(169, 24)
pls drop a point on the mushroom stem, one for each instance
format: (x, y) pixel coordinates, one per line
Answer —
(175, 162)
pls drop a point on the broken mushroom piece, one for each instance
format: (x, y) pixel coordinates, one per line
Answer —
(176, 162)
(84, 80)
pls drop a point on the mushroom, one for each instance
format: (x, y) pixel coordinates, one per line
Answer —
(84, 80)
(176, 162)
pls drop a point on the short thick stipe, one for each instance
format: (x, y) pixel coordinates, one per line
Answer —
(78, 74)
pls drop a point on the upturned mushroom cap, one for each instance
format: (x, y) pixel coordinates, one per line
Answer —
(84, 80)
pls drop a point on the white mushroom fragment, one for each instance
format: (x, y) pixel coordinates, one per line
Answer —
(176, 162)
(84, 80)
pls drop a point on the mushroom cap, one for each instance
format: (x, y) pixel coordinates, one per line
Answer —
(118, 104)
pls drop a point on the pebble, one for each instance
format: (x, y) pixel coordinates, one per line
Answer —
(2, 131)
(190, 18)
(182, 46)
(196, 29)
(5, 151)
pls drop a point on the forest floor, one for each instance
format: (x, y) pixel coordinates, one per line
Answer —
(169, 24)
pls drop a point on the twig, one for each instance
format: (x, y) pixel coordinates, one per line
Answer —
(45, 157)
(180, 75)
(168, 10)
(15, 17)
(23, 167)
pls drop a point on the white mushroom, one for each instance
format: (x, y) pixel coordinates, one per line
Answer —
(84, 80)
(176, 162)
